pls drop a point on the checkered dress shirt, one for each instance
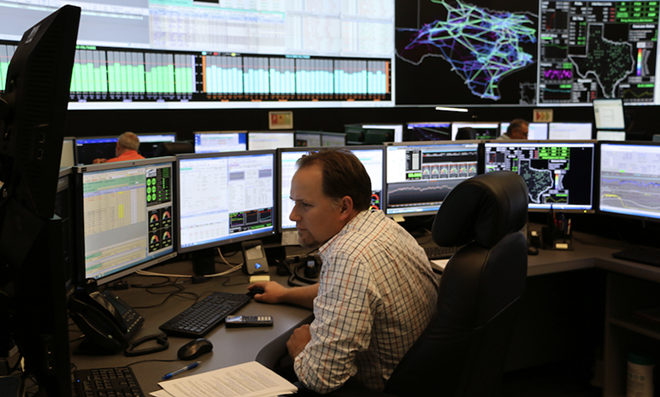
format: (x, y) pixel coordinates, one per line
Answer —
(377, 293)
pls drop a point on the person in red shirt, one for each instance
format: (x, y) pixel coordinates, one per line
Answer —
(127, 149)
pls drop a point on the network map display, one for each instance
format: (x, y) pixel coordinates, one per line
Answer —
(559, 176)
(630, 180)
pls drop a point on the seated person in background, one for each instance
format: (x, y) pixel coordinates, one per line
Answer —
(377, 291)
(518, 129)
(127, 148)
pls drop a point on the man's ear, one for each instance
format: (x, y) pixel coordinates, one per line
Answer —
(346, 207)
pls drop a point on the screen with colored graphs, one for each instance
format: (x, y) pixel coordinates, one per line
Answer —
(127, 215)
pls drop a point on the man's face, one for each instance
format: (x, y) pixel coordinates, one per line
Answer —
(317, 216)
(520, 132)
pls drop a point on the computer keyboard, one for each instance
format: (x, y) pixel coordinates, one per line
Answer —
(106, 382)
(437, 252)
(647, 256)
(203, 316)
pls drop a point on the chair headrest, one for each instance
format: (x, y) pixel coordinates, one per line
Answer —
(484, 208)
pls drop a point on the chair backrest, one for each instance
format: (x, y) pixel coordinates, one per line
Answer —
(466, 133)
(462, 352)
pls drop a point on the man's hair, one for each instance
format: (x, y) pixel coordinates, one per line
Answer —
(343, 175)
(517, 123)
(129, 140)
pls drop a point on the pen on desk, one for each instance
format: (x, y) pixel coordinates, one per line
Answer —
(184, 369)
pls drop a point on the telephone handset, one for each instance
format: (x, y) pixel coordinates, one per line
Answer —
(106, 320)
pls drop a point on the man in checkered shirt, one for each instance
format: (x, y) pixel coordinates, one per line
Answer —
(377, 291)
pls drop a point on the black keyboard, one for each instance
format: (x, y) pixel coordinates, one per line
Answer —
(106, 382)
(203, 316)
(647, 256)
(437, 252)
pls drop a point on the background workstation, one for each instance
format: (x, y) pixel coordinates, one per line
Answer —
(575, 272)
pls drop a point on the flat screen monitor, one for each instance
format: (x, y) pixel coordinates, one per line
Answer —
(420, 175)
(427, 131)
(483, 130)
(307, 139)
(220, 141)
(267, 140)
(329, 139)
(372, 157)
(608, 114)
(559, 175)
(126, 220)
(537, 131)
(630, 179)
(99, 147)
(608, 135)
(224, 198)
(569, 131)
(149, 142)
(398, 129)
(68, 158)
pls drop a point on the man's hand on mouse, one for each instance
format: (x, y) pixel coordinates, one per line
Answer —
(273, 291)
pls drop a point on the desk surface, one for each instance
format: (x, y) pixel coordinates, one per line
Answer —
(235, 346)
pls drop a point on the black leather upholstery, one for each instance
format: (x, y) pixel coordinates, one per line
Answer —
(463, 350)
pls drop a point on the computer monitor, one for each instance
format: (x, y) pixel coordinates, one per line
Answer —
(483, 130)
(224, 198)
(397, 128)
(420, 175)
(220, 141)
(126, 217)
(537, 131)
(630, 180)
(569, 131)
(267, 140)
(608, 135)
(608, 114)
(307, 139)
(68, 158)
(149, 142)
(559, 175)
(427, 131)
(372, 157)
(99, 147)
(329, 139)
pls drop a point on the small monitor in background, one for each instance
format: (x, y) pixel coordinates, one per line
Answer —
(126, 217)
(329, 139)
(420, 175)
(611, 135)
(427, 131)
(608, 114)
(90, 148)
(149, 142)
(537, 131)
(220, 141)
(397, 128)
(307, 139)
(570, 131)
(68, 158)
(270, 140)
(482, 130)
(559, 175)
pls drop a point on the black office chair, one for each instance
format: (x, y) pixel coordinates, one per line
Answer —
(466, 133)
(462, 352)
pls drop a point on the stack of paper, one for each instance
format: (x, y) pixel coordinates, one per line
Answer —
(245, 380)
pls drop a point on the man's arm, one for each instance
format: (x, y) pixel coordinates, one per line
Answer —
(275, 293)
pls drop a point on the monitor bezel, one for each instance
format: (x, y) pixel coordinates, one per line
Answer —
(280, 228)
(476, 142)
(482, 161)
(79, 237)
(598, 179)
(195, 133)
(228, 240)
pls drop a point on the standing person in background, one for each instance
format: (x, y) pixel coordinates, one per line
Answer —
(127, 148)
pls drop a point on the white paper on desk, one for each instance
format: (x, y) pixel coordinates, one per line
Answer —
(245, 380)
(439, 264)
(160, 393)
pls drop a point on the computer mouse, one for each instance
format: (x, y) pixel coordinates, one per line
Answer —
(255, 291)
(531, 250)
(194, 349)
